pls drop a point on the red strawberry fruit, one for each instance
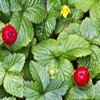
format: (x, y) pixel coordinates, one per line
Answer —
(81, 76)
(9, 34)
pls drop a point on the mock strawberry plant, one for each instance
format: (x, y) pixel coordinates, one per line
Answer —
(49, 49)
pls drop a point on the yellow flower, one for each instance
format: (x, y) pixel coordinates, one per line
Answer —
(65, 11)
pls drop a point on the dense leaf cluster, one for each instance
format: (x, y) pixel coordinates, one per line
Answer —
(49, 47)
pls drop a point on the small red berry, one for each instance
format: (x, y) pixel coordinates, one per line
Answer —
(9, 34)
(81, 76)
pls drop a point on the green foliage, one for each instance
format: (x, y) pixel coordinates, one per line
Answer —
(84, 5)
(42, 88)
(40, 64)
(10, 77)
(84, 94)
(92, 62)
(45, 29)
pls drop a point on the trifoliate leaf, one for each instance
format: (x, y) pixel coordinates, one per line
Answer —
(34, 10)
(13, 84)
(14, 63)
(44, 30)
(25, 31)
(12, 80)
(52, 55)
(42, 88)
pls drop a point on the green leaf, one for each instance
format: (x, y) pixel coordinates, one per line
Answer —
(14, 63)
(95, 10)
(51, 96)
(25, 31)
(57, 87)
(77, 93)
(42, 88)
(73, 28)
(60, 24)
(15, 5)
(65, 70)
(45, 52)
(39, 74)
(35, 10)
(4, 6)
(83, 5)
(2, 73)
(12, 80)
(55, 90)
(45, 29)
(85, 61)
(76, 14)
(4, 10)
(8, 98)
(92, 61)
(32, 91)
(51, 54)
(74, 47)
(97, 90)
(13, 84)
(95, 61)
(32, 94)
(89, 29)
